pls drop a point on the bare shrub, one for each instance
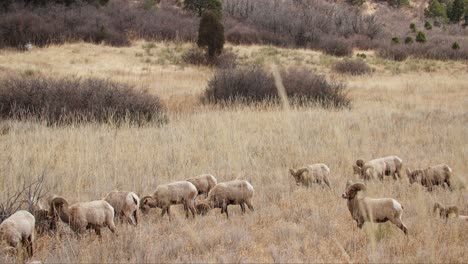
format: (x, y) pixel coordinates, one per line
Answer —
(394, 52)
(353, 67)
(337, 47)
(114, 24)
(253, 84)
(67, 100)
(195, 56)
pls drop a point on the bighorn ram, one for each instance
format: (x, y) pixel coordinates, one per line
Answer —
(84, 215)
(19, 227)
(126, 205)
(365, 209)
(232, 192)
(204, 183)
(446, 211)
(180, 192)
(378, 168)
(436, 175)
(315, 173)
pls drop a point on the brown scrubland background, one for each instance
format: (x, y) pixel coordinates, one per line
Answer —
(415, 109)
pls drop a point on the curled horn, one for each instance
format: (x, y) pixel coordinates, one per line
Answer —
(360, 163)
(143, 201)
(54, 203)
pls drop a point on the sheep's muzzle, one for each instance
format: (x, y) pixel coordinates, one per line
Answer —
(343, 195)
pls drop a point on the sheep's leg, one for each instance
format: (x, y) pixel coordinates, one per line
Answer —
(168, 210)
(31, 246)
(249, 204)
(327, 182)
(449, 185)
(135, 216)
(226, 210)
(399, 224)
(26, 243)
(163, 211)
(186, 209)
(192, 207)
(242, 205)
(97, 229)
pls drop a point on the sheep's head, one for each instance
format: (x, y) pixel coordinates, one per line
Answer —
(297, 175)
(352, 190)
(357, 171)
(360, 163)
(202, 206)
(56, 205)
(146, 203)
(414, 176)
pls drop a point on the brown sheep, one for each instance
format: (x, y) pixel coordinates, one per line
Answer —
(84, 215)
(233, 192)
(445, 212)
(378, 168)
(181, 192)
(19, 227)
(436, 175)
(201, 206)
(126, 205)
(315, 173)
(365, 209)
(204, 183)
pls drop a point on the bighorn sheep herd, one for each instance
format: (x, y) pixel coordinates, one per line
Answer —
(203, 193)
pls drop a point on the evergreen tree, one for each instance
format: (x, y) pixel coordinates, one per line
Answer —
(211, 34)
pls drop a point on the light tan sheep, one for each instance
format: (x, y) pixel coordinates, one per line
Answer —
(83, 215)
(378, 168)
(19, 227)
(315, 173)
(233, 192)
(365, 209)
(180, 192)
(126, 205)
(204, 183)
(440, 174)
(445, 212)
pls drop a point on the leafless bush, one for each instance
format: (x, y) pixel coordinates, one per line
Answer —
(353, 67)
(394, 52)
(254, 84)
(113, 24)
(66, 100)
(195, 56)
(337, 47)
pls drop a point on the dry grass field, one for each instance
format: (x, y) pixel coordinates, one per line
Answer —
(416, 109)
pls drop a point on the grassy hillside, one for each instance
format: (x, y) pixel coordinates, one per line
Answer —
(415, 109)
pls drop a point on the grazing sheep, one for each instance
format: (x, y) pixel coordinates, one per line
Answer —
(40, 210)
(378, 168)
(315, 173)
(365, 209)
(19, 227)
(201, 206)
(232, 192)
(204, 183)
(125, 205)
(446, 211)
(84, 215)
(180, 192)
(436, 175)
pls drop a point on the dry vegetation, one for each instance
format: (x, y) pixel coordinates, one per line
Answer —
(415, 109)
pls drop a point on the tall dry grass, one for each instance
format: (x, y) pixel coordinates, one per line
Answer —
(419, 116)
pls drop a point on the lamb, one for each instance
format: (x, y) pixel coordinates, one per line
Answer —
(446, 211)
(378, 168)
(315, 173)
(180, 192)
(440, 174)
(365, 209)
(84, 215)
(204, 183)
(232, 192)
(19, 226)
(126, 205)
